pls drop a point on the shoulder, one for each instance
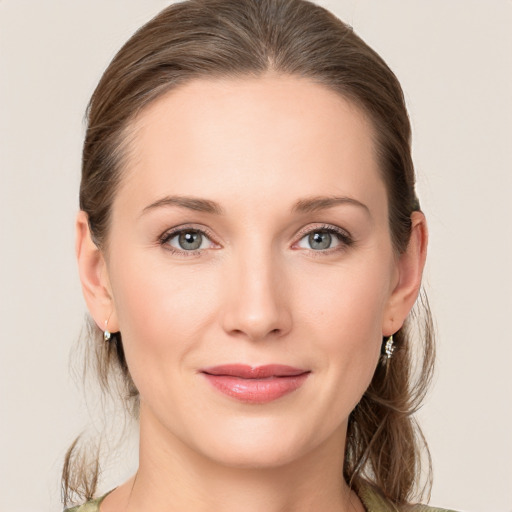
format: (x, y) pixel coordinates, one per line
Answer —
(90, 506)
(424, 508)
(373, 501)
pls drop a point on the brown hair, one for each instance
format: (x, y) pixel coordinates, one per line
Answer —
(235, 38)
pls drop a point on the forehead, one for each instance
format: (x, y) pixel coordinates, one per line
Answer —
(251, 137)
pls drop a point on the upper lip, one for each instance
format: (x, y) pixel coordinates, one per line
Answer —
(254, 372)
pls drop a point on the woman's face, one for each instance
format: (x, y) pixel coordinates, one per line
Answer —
(251, 228)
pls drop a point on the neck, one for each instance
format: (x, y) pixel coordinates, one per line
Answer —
(172, 476)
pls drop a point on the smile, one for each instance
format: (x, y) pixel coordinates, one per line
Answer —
(257, 385)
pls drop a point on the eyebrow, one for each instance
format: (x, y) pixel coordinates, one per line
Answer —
(192, 203)
(313, 204)
(306, 205)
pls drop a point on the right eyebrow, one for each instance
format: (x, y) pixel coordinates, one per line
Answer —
(316, 203)
(192, 203)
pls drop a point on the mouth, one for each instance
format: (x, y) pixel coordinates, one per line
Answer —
(257, 385)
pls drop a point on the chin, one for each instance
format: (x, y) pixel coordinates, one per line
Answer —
(255, 445)
(256, 457)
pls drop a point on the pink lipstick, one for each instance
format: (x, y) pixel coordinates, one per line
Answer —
(257, 385)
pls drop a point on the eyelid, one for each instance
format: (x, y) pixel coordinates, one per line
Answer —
(164, 238)
(343, 235)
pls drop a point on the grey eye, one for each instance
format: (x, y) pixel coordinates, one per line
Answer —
(187, 240)
(190, 240)
(319, 240)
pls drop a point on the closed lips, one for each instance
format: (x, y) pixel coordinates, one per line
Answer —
(255, 385)
(251, 372)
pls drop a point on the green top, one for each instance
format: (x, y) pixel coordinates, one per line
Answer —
(372, 501)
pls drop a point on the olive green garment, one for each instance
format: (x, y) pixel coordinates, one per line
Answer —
(372, 501)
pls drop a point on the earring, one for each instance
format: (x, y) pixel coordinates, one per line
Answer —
(107, 335)
(389, 347)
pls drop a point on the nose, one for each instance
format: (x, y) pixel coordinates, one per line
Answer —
(257, 305)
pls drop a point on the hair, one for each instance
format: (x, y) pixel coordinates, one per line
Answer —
(208, 39)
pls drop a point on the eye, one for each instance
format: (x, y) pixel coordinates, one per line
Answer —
(186, 240)
(319, 240)
(325, 238)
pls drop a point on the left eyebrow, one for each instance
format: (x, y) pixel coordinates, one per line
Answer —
(315, 203)
(191, 203)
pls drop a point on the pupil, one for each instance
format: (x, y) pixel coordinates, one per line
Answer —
(190, 240)
(320, 240)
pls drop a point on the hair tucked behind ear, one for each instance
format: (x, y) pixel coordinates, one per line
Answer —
(384, 443)
(235, 38)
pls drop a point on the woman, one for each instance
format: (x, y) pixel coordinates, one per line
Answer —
(250, 247)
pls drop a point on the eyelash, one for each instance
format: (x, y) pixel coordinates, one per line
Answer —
(343, 237)
(169, 235)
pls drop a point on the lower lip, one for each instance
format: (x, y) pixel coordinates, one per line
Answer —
(256, 391)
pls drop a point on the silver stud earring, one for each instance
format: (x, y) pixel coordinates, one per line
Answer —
(389, 347)
(107, 335)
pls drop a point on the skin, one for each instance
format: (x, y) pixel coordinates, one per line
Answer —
(256, 292)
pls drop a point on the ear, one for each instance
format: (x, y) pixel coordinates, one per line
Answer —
(93, 273)
(410, 266)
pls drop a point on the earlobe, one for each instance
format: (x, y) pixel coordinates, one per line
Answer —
(410, 270)
(94, 276)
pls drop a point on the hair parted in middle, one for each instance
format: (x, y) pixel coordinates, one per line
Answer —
(208, 39)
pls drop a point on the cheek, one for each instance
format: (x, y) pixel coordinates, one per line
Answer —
(162, 311)
(348, 337)
(348, 301)
(343, 312)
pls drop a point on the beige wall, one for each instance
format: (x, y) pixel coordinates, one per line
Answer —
(454, 59)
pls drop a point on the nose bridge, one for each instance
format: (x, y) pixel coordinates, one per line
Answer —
(257, 304)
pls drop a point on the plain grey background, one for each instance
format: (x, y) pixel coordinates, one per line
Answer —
(454, 60)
